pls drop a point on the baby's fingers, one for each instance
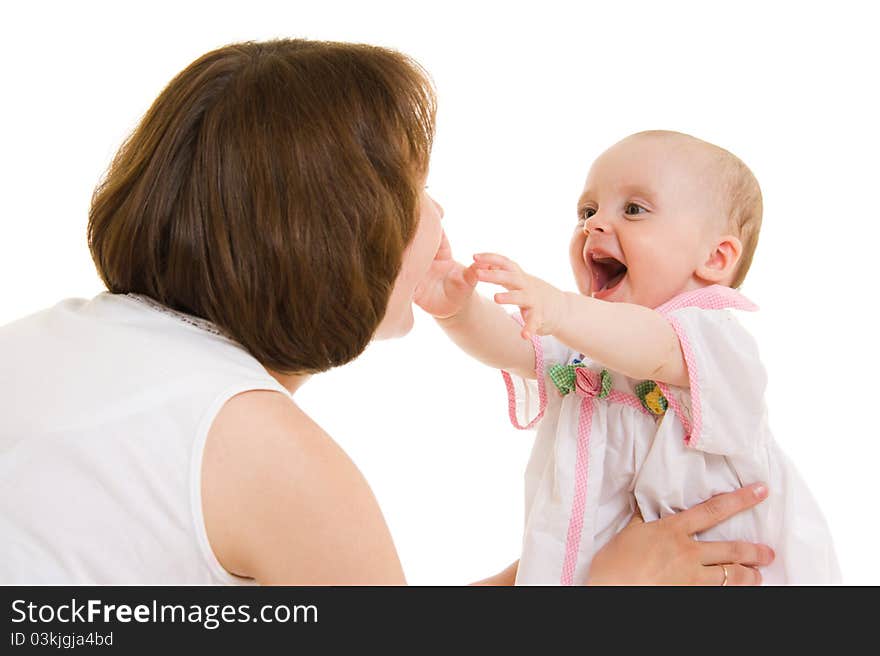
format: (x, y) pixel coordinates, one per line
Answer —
(470, 275)
(495, 261)
(531, 325)
(515, 297)
(509, 279)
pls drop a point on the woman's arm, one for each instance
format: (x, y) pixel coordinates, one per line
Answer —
(634, 340)
(283, 504)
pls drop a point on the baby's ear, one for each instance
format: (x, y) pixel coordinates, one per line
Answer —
(720, 265)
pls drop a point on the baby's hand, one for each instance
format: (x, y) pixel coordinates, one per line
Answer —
(540, 303)
(447, 286)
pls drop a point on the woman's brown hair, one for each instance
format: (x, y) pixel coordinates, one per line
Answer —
(272, 188)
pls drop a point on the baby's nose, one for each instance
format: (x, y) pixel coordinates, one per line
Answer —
(594, 223)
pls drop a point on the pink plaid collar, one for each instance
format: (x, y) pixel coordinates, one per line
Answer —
(714, 297)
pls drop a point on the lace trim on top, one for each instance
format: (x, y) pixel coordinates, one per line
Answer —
(202, 324)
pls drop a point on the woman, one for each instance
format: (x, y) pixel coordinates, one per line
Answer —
(264, 222)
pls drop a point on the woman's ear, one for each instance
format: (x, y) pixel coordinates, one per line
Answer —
(720, 266)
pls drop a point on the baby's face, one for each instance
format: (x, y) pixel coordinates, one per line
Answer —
(646, 220)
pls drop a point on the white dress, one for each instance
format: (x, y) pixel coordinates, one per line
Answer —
(105, 405)
(612, 442)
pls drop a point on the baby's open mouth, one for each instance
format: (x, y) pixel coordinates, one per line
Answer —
(607, 272)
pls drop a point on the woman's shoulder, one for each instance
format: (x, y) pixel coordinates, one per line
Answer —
(266, 409)
(255, 438)
(283, 503)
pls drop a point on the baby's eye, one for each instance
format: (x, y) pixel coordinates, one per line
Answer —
(586, 213)
(634, 209)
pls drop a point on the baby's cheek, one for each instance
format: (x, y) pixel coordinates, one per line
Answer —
(655, 282)
(581, 275)
(576, 247)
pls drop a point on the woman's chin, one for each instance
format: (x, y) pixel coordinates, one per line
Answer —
(394, 327)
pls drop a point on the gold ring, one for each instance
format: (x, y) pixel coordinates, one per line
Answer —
(724, 569)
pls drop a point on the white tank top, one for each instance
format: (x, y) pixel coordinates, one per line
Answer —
(104, 410)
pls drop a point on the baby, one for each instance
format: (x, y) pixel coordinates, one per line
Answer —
(649, 392)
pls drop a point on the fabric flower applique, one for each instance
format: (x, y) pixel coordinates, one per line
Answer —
(651, 397)
(577, 377)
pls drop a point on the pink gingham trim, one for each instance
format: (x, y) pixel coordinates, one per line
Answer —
(581, 474)
(539, 375)
(693, 427)
(616, 396)
(579, 503)
(715, 297)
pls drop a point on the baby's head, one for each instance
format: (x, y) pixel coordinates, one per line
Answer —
(664, 213)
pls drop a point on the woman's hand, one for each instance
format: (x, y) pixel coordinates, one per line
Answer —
(541, 305)
(664, 552)
(448, 285)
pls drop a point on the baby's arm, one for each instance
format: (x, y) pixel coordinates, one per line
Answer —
(634, 340)
(483, 330)
(478, 326)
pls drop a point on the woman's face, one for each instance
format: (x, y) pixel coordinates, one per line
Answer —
(417, 259)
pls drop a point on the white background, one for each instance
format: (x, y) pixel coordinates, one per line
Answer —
(529, 95)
